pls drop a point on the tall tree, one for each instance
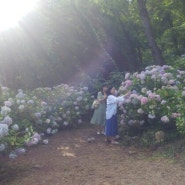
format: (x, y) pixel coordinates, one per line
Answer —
(156, 53)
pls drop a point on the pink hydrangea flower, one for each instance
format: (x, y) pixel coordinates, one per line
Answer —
(151, 96)
(174, 115)
(144, 100)
(128, 83)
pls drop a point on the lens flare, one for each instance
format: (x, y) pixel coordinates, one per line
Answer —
(11, 11)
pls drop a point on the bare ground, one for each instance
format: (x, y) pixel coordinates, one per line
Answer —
(69, 159)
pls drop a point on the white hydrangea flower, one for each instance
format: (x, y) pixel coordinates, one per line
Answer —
(43, 103)
(8, 103)
(143, 90)
(165, 119)
(45, 141)
(2, 147)
(47, 121)
(18, 102)
(151, 116)
(20, 151)
(5, 110)
(54, 131)
(68, 94)
(85, 88)
(80, 93)
(23, 101)
(3, 130)
(55, 124)
(127, 76)
(183, 93)
(75, 103)
(59, 119)
(38, 115)
(79, 99)
(48, 130)
(12, 155)
(21, 107)
(7, 120)
(142, 122)
(64, 115)
(66, 123)
(163, 102)
(15, 127)
(11, 100)
(5, 89)
(68, 112)
(20, 95)
(79, 121)
(30, 102)
(140, 111)
(76, 108)
(20, 90)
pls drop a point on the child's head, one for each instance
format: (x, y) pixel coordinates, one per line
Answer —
(111, 91)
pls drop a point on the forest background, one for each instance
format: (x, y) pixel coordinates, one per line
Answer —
(65, 41)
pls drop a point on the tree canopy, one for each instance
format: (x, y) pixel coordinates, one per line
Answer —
(61, 40)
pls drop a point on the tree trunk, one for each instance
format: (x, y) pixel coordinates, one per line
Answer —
(156, 53)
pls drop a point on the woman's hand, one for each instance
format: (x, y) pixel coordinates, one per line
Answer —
(104, 98)
(127, 94)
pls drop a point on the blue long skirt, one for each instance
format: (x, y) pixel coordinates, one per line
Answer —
(111, 126)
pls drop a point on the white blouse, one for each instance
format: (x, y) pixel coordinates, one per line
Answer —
(112, 103)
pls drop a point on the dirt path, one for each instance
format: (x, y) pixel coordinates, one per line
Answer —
(69, 159)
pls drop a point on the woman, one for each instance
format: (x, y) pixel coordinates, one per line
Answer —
(98, 117)
(111, 126)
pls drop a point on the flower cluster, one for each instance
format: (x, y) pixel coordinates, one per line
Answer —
(157, 97)
(26, 118)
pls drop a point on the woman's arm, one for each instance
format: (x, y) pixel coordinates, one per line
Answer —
(112, 99)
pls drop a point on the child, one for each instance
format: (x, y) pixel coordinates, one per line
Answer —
(111, 126)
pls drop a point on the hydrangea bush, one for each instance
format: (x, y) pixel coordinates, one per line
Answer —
(26, 117)
(157, 99)
(156, 102)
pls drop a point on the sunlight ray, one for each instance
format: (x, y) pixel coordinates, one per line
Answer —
(11, 11)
